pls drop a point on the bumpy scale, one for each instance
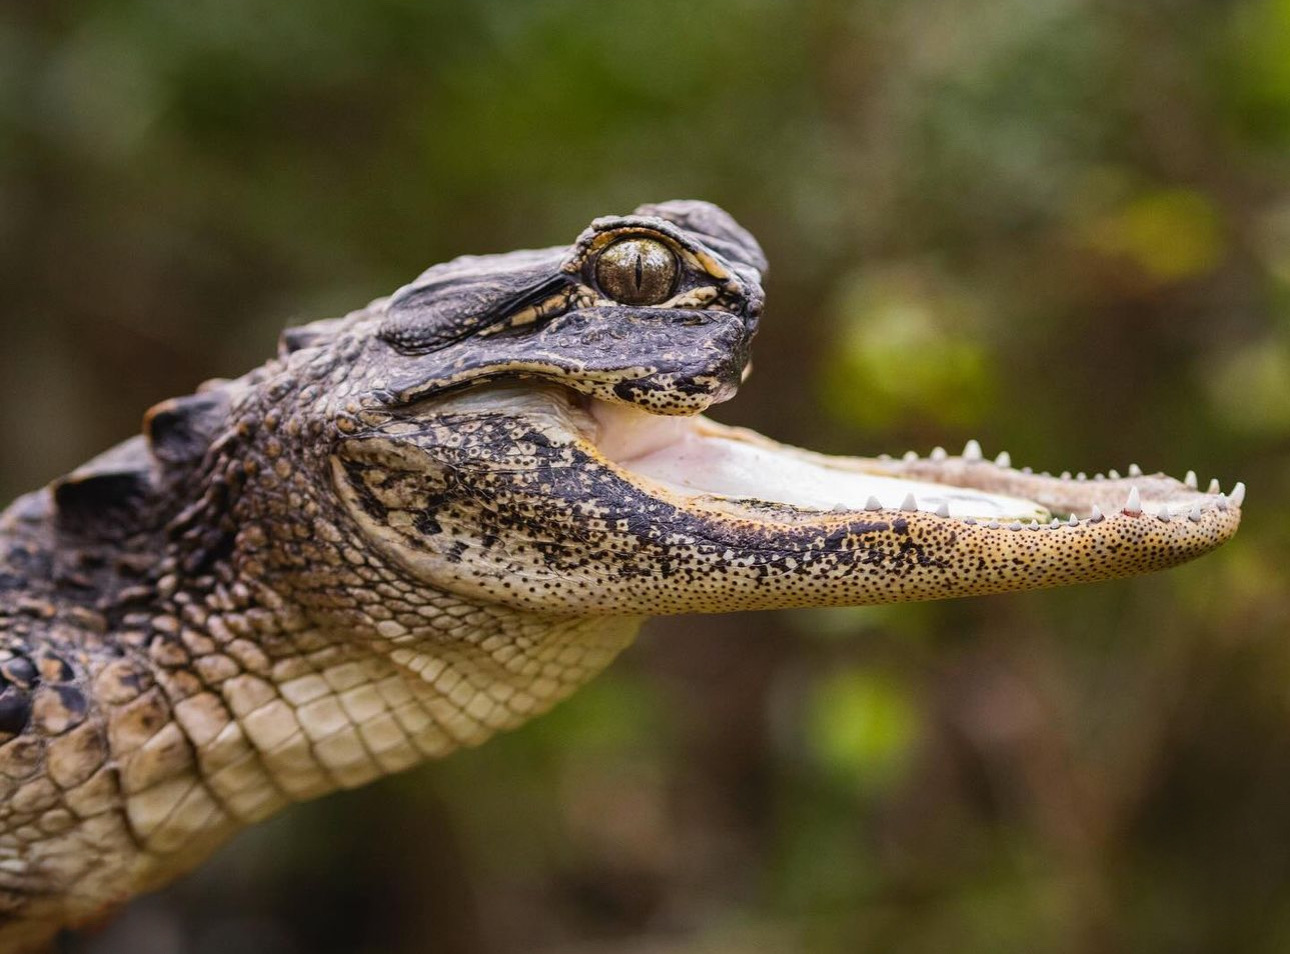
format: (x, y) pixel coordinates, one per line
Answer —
(434, 518)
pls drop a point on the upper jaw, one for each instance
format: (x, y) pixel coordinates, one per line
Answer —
(670, 360)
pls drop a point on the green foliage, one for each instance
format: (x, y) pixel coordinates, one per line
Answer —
(862, 726)
(905, 349)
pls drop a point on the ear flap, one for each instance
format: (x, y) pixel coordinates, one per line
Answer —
(451, 301)
(102, 497)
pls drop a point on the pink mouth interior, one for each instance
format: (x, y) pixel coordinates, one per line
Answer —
(694, 456)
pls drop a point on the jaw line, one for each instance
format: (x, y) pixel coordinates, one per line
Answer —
(655, 496)
(703, 467)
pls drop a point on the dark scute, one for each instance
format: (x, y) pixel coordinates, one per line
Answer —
(15, 711)
(179, 430)
(104, 493)
(74, 702)
(87, 497)
(20, 670)
(454, 300)
(715, 225)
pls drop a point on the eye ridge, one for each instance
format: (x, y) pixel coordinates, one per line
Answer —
(637, 270)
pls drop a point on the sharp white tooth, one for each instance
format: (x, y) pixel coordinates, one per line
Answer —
(938, 453)
(1163, 513)
(1096, 515)
(1099, 477)
(1214, 487)
(971, 521)
(1221, 502)
(1027, 470)
(1113, 474)
(1081, 476)
(972, 450)
(839, 508)
(1004, 459)
(1066, 475)
(910, 456)
(1134, 503)
(909, 503)
(884, 457)
(1135, 470)
(873, 503)
(1036, 525)
(1015, 525)
(1073, 521)
(944, 509)
(1238, 493)
(1045, 474)
(993, 524)
(1190, 480)
(1195, 514)
(1055, 524)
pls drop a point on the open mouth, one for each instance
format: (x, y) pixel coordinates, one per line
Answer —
(582, 484)
(707, 464)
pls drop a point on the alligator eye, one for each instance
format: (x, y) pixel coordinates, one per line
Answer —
(637, 271)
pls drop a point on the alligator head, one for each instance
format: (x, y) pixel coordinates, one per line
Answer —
(526, 429)
(478, 488)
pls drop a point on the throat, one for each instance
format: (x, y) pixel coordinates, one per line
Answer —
(358, 699)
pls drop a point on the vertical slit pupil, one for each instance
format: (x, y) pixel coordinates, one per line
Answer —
(637, 271)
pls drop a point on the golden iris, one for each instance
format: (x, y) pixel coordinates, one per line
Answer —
(637, 271)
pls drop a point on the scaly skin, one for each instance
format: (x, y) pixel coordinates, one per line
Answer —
(434, 519)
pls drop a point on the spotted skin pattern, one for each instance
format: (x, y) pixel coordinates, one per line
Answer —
(399, 537)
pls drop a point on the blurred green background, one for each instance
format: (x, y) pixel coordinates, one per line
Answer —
(1061, 226)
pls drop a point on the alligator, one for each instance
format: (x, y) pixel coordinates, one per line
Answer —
(432, 519)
